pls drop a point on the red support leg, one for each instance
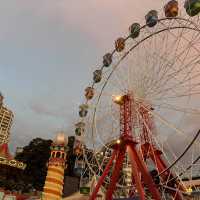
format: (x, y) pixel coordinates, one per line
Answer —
(138, 164)
(149, 150)
(136, 174)
(147, 177)
(176, 195)
(115, 174)
(161, 166)
(100, 181)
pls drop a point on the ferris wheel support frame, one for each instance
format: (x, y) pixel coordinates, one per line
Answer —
(149, 150)
(127, 144)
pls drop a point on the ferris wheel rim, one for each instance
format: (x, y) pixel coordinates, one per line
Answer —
(159, 20)
(134, 46)
(123, 57)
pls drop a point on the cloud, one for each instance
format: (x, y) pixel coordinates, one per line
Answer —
(100, 20)
(44, 109)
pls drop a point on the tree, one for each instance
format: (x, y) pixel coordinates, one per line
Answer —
(70, 157)
(36, 156)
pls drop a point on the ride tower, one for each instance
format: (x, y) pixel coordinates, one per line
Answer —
(53, 187)
(7, 161)
(127, 143)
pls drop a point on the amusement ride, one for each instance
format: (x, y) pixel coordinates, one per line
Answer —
(136, 135)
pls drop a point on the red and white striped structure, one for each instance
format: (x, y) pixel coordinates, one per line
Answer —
(53, 187)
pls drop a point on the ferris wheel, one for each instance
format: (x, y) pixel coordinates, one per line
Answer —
(140, 118)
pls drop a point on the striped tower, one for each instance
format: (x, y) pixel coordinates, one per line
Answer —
(53, 187)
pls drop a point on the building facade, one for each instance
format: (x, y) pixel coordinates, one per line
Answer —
(6, 118)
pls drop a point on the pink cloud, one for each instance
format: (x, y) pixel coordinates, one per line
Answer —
(101, 20)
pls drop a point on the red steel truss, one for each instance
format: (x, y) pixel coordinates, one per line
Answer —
(128, 144)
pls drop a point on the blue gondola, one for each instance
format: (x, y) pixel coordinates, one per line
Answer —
(151, 18)
(134, 30)
(107, 59)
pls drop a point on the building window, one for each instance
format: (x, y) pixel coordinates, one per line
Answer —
(58, 155)
(63, 155)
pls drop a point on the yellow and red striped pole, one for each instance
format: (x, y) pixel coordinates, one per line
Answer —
(53, 187)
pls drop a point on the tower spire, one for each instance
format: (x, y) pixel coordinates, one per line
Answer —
(55, 175)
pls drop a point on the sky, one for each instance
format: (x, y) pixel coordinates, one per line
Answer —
(48, 51)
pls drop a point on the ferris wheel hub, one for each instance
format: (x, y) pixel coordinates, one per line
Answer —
(118, 99)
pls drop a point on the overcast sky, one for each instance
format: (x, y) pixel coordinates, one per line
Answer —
(48, 50)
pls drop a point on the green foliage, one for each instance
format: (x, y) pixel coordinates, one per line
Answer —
(36, 156)
(70, 157)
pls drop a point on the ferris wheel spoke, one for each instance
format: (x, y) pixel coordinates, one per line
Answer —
(185, 93)
(192, 92)
(116, 84)
(157, 143)
(175, 172)
(170, 32)
(106, 112)
(179, 69)
(175, 44)
(160, 68)
(188, 49)
(145, 78)
(179, 176)
(171, 126)
(183, 68)
(107, 131)
(186, 76)
(103, 116)
(181, 82)
(188, 23)
(168, 76)
(180, 165)
(159, 73)
(181, 95)
(168, 124)
(177, 57)
(153, 72)
(177, 108)
(142, 65)
(118, 76)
